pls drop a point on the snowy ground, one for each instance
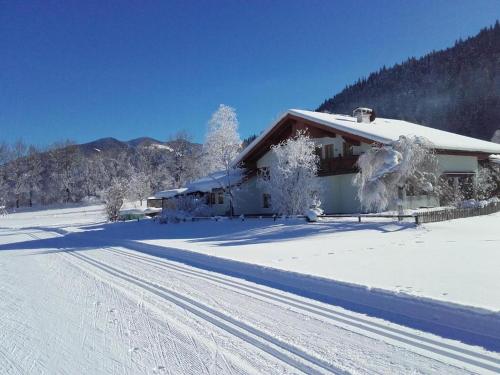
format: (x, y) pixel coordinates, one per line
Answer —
(77, 297)
(456, 261)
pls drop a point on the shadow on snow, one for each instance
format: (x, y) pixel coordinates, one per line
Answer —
(469, 325)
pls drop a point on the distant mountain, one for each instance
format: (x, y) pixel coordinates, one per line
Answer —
(106, 145)
(457, 89)
(143, 141)
(110, 146)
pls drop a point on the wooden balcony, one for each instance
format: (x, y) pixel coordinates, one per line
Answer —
(339, 165)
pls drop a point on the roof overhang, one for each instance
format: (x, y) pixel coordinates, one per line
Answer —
(262, 143)
(340, 125)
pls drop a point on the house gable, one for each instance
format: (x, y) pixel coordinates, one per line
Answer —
(285, 128)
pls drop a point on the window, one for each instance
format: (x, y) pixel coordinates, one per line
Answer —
(347, 148)
(328, 152)
(211, 199)
(410, 191)
(266, 200)
(264, 173)
(220, 198)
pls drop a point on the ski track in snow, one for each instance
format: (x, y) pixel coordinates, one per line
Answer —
(112, 310)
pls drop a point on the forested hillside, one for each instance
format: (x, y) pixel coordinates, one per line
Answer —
(457, 89)
(66, 172)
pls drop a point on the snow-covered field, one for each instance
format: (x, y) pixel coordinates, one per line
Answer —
(82, 296)
(456, 261)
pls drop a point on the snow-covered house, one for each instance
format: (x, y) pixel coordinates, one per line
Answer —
(209, 189)
(157, 200)
(341, 139)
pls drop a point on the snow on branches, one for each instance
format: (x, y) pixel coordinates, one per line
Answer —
(222, 145)
(386, 171)
(290, 178)
(113, 198)
(222, 142)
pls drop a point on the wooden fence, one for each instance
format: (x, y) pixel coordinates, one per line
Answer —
(418, 218)
(455, 213)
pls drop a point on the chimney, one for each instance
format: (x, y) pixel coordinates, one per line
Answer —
(364, 115)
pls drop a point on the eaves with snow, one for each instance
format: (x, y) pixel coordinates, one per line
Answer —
(215, 180)
(383, 131)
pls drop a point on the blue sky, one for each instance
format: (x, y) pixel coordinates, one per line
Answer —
(89, 69)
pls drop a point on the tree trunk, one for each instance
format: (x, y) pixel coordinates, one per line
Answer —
(400, 203)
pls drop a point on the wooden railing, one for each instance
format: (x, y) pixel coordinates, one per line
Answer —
(338, 165)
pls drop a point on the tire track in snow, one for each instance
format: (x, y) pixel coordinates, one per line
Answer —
(284, 352)
(479, 360)
(10, 363)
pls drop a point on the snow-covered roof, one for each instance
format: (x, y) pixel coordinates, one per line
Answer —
(215, 180)
(168, 193)
(384, 131)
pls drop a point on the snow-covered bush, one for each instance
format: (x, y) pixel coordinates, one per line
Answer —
(486, 183)
(386, 171)
(313, 213)
(291, 176)
(184, 208)
(473, 203)
(113, 198)
(449, 193)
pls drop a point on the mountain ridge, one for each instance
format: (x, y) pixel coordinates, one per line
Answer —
(455, 89)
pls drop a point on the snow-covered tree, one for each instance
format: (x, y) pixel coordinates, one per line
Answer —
(65, 172)
(34, 170)
(94, 176)
(4, 190)
(290, 179)
(184, 160)
(222, 145)
(113, 198)
(139, 187)
(18, 174)
(386, 171)
(153, 162)
(487, 181)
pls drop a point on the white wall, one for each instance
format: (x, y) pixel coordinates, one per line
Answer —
(457, 163)
(249, 199)
(339, 195)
